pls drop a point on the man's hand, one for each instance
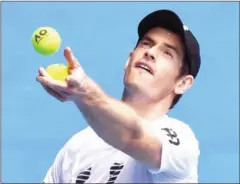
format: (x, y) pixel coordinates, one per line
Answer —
(73, 86)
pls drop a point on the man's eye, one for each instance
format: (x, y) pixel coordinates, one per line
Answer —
(169, 54)
(145, 43)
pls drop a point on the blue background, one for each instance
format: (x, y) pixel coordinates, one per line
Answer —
(35, 126)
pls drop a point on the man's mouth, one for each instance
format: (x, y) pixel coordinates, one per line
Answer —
(144, 66)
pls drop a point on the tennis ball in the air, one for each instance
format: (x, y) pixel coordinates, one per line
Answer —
(58, 71)
(46, 40)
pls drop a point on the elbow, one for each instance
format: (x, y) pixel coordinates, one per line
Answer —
(119, 139)
(129, 134)
(124, 141)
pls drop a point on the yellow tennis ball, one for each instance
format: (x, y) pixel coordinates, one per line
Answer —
(46, 40)
(58, 71)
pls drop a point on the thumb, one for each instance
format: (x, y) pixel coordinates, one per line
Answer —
(71, 59)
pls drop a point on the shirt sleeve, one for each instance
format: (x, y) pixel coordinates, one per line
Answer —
(180, 152)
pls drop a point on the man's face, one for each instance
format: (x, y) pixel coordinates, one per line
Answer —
(153, 67)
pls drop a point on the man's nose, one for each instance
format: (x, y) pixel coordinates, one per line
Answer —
(150, 54)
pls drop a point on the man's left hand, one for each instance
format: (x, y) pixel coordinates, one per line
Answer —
(69, 90)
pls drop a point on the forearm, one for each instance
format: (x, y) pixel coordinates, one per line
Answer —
(111, 119)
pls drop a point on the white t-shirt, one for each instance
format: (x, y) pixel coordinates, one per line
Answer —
(86, 158)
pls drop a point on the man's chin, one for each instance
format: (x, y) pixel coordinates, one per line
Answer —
(135, 86)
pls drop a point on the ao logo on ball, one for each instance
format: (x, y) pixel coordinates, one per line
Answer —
(38, 37)
(46, 40)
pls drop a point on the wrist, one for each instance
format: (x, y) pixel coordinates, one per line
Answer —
(83, 83)
(80, 88)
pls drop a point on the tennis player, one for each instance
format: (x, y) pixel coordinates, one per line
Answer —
(133, 140)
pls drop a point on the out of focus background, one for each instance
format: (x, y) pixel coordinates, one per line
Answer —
(101, 34)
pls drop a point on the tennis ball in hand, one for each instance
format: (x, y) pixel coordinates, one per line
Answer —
(46, 40)
(58, 71)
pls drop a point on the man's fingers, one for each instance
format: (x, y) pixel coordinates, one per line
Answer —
(44, 73)
(47, 80)
(58, 87)
(54, 84)
(71, 59)
(54, 93)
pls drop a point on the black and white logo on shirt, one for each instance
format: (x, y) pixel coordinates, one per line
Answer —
(84, 176)
(172, 135)
(114, 172)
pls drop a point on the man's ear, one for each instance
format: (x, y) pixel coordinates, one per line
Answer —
(127, 62)
(183, 84)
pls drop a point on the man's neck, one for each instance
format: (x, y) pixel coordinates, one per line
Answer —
(144, 107)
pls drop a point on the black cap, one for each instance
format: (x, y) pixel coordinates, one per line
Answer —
(170, 21)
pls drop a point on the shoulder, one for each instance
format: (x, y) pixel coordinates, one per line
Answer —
(177, 129)
(80, 137)
(180, 151)
(75, 142)
(180, 126)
